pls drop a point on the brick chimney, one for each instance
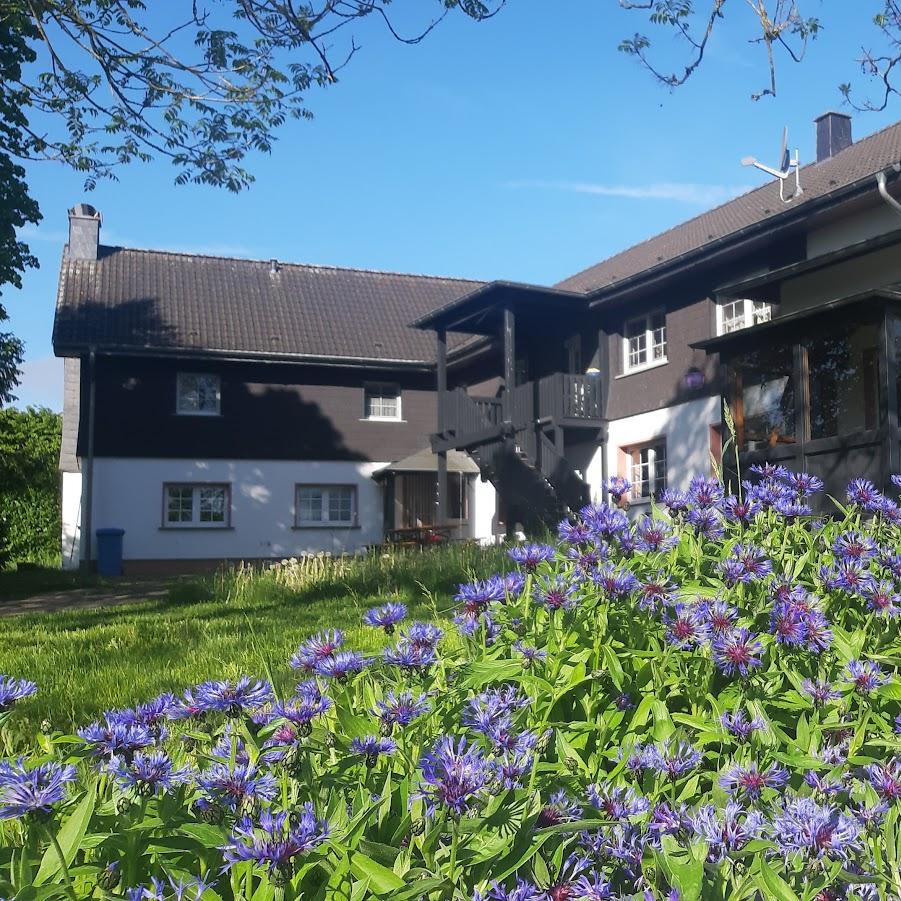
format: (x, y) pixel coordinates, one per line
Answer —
(833, 134)
(84, 232)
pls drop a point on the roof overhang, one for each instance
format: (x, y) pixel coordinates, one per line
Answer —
(890, 295)
(765, 287)
(756, 235)
(480, 311)
(426, 461)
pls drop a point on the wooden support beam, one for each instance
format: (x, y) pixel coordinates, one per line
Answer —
(442, 488)
(441, 370)
(509, 362)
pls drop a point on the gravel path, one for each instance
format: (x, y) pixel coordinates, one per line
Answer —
(127, 591)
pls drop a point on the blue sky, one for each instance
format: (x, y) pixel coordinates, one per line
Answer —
(526, 147)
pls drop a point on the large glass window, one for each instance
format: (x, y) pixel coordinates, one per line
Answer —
(763, 398)
(644, 341)
(381, 401)
(326, 505)
(733, 315)
(844, 381)
(189, 505)
(648, 465)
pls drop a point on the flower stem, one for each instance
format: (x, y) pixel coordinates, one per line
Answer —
(64, 869)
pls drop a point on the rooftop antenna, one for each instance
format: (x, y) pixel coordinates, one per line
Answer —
(787, 165)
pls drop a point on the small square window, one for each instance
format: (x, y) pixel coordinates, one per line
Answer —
(648, 470)
(733, 315)
(644, 341)
(326, 505)
(195, 505)
(197, 394)
(381, 401)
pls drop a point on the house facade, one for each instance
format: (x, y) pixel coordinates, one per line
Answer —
(234, 409)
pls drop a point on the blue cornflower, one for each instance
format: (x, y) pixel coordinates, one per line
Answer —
(33, 791)
(820, 691)
(575, 533)
(13, 690)
(401, 709)
(372, 746)
(116, 739)
(319, 647)
(510, 768)
(728, 830)
(677, 502)
(818, 637)
(737, 724)
(560, 808)
(591, 887)
(603, 522)
(737, 652)
(618, 802)
(814, 831)
(898, 724)
(890, 561)
(341, 665)
(555, 593)
(673, 759)
(754, 561)
(454, 774)
(865, 676)
(788, 624)
(300, 711)
(476, 596)
(617, 486)
(707, 523)
(749, 782)
(791, 508)
(276, 839)
(885, 779)
(770, 471)
(530, 654)
(530, 556)
(657, 591)
(741, 511)
(522, 891)
(408, 655)
(614, 582)
(890, 512)
(385, 617)
(768, 493)
(686, 626)
(494, 703)
(423, 635)
(705, 492)
(802, 483)
(513, 583)
(896, 481)
(185, 888)
(149, 772)
(865, 494)
(721, 616)
(233, 698)
(854, 546)
(231, 786)
(824, 786)
(849, 575)
(883, 599)
(654, 535)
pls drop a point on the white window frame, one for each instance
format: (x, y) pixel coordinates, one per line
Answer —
(754, 312)
(197, 489)
(651, 448)
(325, 522)
(181, 392)
(645, 331)
(382, 390)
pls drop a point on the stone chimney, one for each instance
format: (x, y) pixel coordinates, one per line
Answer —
(833, 134)
(84, 232)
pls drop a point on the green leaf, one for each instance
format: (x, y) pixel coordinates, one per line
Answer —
(382, 881)
(772, 884)
(69, 836)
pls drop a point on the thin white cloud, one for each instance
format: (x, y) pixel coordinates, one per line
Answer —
(41, 384)
(680, 192)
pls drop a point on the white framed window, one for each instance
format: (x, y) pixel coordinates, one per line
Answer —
(381, 401)
(190, 505)
(197, 394)
(325, 505)
(732, 315)
(648, 469)
(644, 341)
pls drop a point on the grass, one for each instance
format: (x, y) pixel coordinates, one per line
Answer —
(26, 580)
(239, 621)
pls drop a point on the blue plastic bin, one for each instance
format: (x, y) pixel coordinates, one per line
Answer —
(109, 551)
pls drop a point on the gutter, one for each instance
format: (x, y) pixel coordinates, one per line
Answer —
(87, 505)
(728, 243)
(881, 182)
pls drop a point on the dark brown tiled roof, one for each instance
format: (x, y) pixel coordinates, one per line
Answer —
(861, 160)
(161, 301)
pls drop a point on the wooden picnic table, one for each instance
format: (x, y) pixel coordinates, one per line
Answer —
(418, 536)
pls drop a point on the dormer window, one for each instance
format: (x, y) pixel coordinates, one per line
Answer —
(381, 401)
(197, 394)
(733, 315)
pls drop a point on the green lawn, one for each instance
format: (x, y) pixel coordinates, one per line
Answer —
(25, 581)
(240, 622)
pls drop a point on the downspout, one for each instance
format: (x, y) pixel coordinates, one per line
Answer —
(881, 181)
(87, 525)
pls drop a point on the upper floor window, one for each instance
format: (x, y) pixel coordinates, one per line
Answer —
(197, 394)
(648, 465)
(381, 401)
(187, 505)
(325, 505)
(733, 315)
(644, 341)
